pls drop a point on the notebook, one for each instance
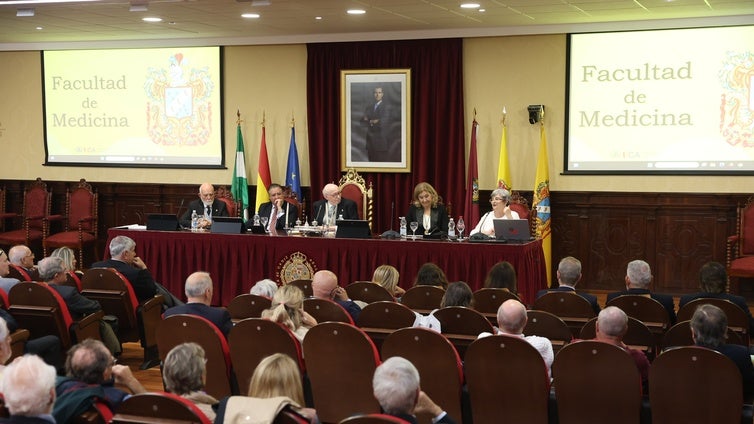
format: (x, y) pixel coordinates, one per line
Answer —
(352, 228)
(226, 225)
(512, 229)
(162, 222)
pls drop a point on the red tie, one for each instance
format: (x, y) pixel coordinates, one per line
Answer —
(274, 220)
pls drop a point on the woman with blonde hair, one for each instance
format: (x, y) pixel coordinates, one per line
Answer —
(387, 276)
(288, 309)
(428, 211)
(69, 263)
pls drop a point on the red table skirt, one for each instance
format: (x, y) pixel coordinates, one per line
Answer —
(236, 262)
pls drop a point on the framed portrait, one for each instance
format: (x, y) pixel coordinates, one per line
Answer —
(375, 107)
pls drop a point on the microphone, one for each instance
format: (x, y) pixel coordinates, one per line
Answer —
(392, 214)
(319, 208)
(178, 214)
(391, 234)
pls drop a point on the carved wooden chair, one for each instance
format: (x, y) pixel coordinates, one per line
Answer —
(36, 207)
(739, 258)
(80, 222)
(224, 195)
(353, 187)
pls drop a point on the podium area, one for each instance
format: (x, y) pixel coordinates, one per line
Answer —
(237, 261)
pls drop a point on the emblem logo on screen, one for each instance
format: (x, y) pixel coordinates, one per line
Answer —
(512, 229)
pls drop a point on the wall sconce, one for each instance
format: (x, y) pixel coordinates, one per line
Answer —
(535, 113)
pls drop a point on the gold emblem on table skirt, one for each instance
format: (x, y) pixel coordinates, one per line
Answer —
(295, 266)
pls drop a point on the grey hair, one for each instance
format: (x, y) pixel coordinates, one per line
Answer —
(569, 269)
(639, 273)
(710, 325)
(28, 386)
(50, 266)
(502, 193)
(395, 385)
(121, 244)
(266, 288)
(198, 283)
(17, 253)
(183, 369)
(612, 321)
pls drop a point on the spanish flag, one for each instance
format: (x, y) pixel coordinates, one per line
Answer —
(541, 201)
(263, 174)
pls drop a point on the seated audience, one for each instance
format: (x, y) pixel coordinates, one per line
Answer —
(388, 277)
(500, 199)
(69, 259)
(46, 347)
(502, 275)
(266, 288)
(206, 206)
(199, 292)
(6, 283)
(569, 273)
(511, 321)
(285, 213)
(325, 286)
(430, 274)
(326, 211)
(23, 257)
(638, 279)
(457, 294)
(611, 326)
(397, 388)
(428, 211)
(709, 327)
(288, 309)
(184, 373)
(28, 388)
(712, 280)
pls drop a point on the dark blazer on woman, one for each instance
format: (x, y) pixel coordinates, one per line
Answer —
(438, 221)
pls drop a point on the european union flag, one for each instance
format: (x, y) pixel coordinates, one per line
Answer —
(292, 174)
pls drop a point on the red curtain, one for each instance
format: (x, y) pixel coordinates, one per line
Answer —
(437, 131)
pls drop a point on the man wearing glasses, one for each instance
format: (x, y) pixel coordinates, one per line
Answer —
(333, 207)
(206, 206)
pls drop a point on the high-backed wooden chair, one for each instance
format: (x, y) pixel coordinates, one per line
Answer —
(224, 195)
(545, 324)
(19, 337)
(252, 340)
(440, 368)
(36, 207)
(136, 321)
(739, 258)
(519, 204)
(569, 306)
(247, 306)
(79, 223)
(353, 187)
(18, 273)
(159, 408)
(3, 214)
(73, 280)
(368, 292)
(638, 336)
(647, 310)
(738, 321)
(373, 419)
(500, 391)
(326, 310)
(177, 329)
(305, 286)
(380, 319)
(694, 385)
(583, 390)
(340, 362)
(462, 326)
(488, 300)
(423, 299)
(680, 335)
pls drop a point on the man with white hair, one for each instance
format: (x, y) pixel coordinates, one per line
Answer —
(206, 207)
(22, 257)
(396, 387)
(199, 292)
(569, 274)
(333, 206)
(28, 387)
(266, 288)
(638, 279)
(611, 326)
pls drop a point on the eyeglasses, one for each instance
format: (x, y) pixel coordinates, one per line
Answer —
(336, 194)
(207, 194)
(113, 361)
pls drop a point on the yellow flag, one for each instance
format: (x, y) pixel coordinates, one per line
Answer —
(541, 202)
(503, 169)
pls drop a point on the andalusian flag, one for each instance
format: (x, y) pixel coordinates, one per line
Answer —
(240, 186)
(263, 174)
(541, 202)
(472, 183)
(292, 174)
(503, 168)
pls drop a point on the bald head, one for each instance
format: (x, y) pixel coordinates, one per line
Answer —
(331, 192)
(511, 317)
(199, 287)
(612, 323)
(323, 284)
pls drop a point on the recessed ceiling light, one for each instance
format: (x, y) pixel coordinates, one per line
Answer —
(356, 11)
(469, 5)
(250, 15)
(319, 18)
(151, 19)
(482, 10)
(40, 28)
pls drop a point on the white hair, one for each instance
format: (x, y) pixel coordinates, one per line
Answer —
(395, 385)
(28, 386)
(266, 288)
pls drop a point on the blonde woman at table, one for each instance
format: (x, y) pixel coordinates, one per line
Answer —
(500, 200)
(288, 309)
(428, 212)
(387, 277)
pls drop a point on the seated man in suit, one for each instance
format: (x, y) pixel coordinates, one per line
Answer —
(285, 214)
(124, 260)
(52, 272)
(396, 388)
(709, 327)
(199, 294)
(333, 206)
(206, 206)
(638, 278)
(325, 286)
(569, 274)
(712, 280)
(23, 257)
(28, 388)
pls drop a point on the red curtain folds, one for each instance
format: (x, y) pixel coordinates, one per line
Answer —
(437, 130)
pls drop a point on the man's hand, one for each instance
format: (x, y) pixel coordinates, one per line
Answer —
(425, 405)
(339, 293)
(138, 263)
(124, 377)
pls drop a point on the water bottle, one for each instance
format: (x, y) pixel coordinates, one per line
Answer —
(194, 221)
(403, 227)
(451, 229)
(255, 221)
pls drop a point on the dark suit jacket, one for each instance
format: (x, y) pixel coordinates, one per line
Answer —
(218, 209)
(740, 356)
(738, 300)
(438, 220)
(141, 279)
(412, 419)
(351, 307)
(218, 316)
(346, 207)
(265, 209)
(591, 298)
(78, 305)
(664, 299)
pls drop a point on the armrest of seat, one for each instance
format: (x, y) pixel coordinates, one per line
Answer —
(48, 217)
(18, 341)
(149, 314)
(88, 327)
(6, 215)
(733, 239)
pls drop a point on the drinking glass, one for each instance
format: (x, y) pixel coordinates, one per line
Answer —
(264, 220)
(461, 226)
(414, 226)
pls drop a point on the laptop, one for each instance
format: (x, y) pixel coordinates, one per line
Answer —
(516, 230)
(352, 228)
(162, 222)
(226, 225)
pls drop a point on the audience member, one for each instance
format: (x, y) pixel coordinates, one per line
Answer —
(124, 260)
(611, 326)
(712, 280)
(325, 286)
(88, 364)
(5, 349)
(69, 259)
(46, 347)
(184, 373)
(6, 283)
(709, 327)
(388, 277)
(638, 279)
(206, 206)
(502, 275)
(266, 288)
(430, 274)
(569, 274)
(285, 213)
(23, 257)
(428, 211)
(199, 291)
(333, 206)
(288, 309)
(397, 388)
(500, 199)
(28, 388)
(52, 272)
(457, 294)
(511, 321)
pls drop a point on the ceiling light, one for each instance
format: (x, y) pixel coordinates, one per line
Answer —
(138, 8)
(25, 12)
(151, 19)
(250, 15)
(319, 18)
(356, 11)
(470, 6)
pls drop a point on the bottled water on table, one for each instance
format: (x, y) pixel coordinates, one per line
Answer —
(451, 228)
(194, 221)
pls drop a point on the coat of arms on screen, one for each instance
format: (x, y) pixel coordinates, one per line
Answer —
(295, 266)
(737, 103)
(178, 106)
